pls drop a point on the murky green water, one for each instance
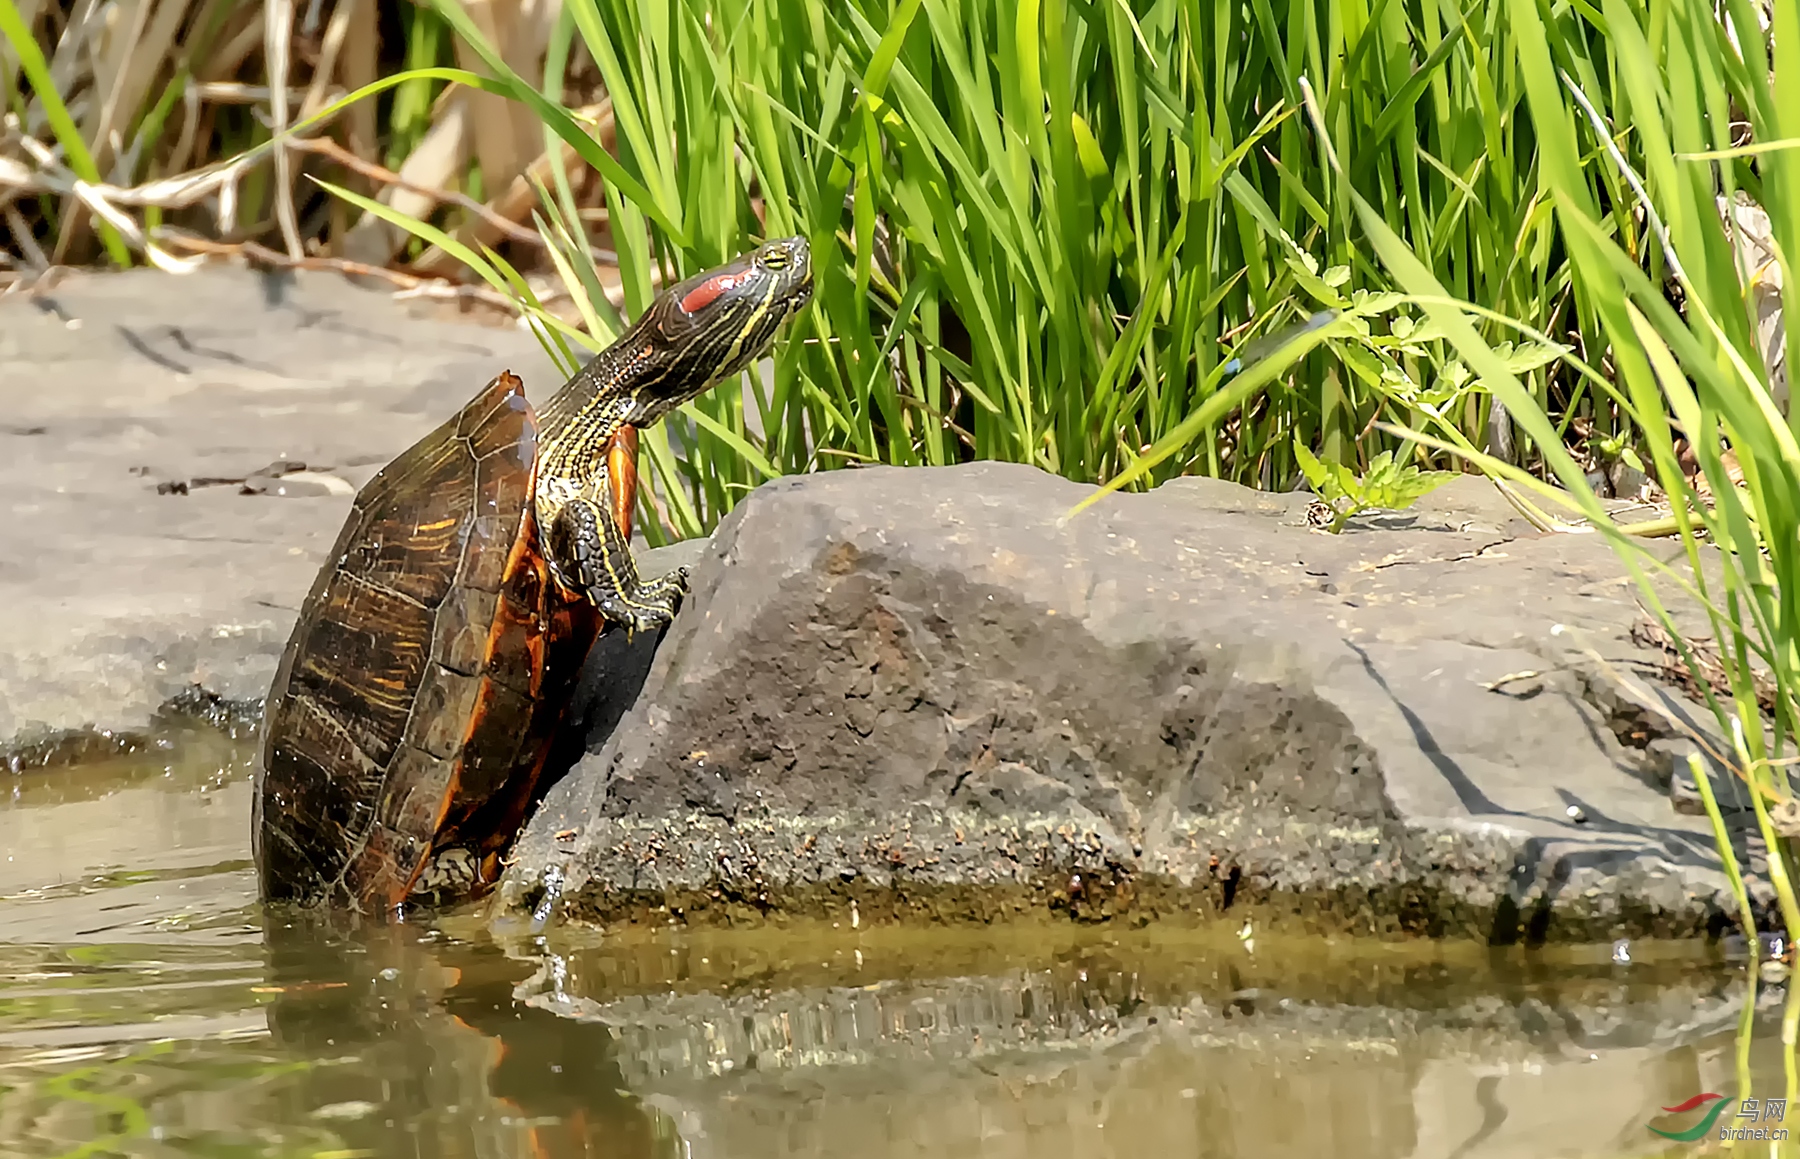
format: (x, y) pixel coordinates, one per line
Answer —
(148, 1009)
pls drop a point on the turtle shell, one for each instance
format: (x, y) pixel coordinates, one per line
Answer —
(430, 665)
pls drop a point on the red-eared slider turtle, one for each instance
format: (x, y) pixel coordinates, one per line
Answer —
(409, 720)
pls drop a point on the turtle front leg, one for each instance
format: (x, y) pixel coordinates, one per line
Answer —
(591, 548)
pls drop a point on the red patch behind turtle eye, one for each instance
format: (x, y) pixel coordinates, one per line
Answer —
(707, 292)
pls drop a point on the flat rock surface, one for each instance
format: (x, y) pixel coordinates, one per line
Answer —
(926, 694)
(122, 593)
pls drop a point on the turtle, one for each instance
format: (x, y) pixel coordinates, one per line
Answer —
(406, 729)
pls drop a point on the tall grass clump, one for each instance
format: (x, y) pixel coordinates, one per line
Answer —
(1045, 229)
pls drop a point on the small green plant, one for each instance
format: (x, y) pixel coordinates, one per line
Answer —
(1387, 485)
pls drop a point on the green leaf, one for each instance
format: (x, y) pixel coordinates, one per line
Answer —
(1093, 162)
(1317, 477)
(1528, 356)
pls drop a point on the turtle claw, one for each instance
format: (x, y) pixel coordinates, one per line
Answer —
(453, 873)
(651, 607)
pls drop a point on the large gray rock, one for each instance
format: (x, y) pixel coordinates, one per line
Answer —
(127, 580)
(923, 695)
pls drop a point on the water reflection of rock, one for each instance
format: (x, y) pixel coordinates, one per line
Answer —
(1099, 1060)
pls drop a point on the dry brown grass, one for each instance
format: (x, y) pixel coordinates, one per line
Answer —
(177, 101)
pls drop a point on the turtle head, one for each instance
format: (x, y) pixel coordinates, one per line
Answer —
(714, 324)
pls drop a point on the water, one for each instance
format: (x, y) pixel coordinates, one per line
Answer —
(148, 1008)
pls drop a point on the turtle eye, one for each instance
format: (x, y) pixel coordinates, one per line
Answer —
(775, 260)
